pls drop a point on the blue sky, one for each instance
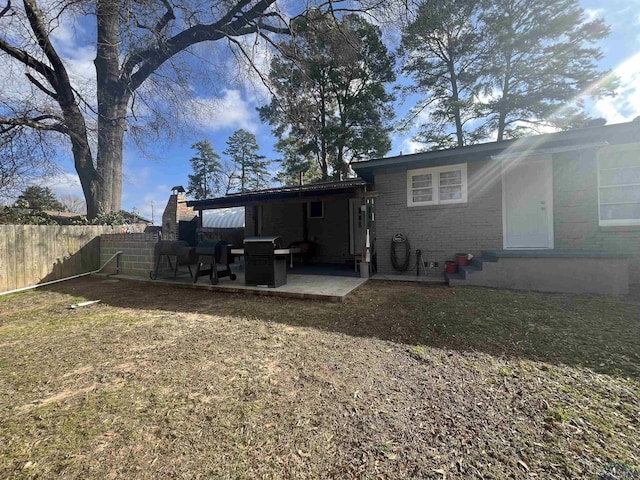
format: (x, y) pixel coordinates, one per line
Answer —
(231, 105)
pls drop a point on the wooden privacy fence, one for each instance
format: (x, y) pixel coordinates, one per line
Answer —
(31, 254)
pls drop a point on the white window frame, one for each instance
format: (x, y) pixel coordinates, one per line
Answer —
(602, 155)
(435, 176)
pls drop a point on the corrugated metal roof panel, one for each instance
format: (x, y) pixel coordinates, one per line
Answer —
(312, 190)
(223, 218)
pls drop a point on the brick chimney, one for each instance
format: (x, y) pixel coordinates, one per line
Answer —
(176, 211)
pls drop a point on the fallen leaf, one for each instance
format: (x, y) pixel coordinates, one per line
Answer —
(523, 465)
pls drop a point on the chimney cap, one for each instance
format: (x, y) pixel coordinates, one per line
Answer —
(177, 189)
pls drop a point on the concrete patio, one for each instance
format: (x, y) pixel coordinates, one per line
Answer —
(318, 287)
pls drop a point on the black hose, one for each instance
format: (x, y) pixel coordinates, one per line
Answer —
(400, 241)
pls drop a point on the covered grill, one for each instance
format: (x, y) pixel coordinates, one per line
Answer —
(263, 266)
(178, 250)
(213, 254)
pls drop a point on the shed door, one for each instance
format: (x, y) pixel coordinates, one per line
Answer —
(528, 203)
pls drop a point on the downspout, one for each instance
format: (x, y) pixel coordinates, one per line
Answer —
(115, 255)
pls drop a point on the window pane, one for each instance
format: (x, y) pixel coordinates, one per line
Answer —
(421, 181)
(423, 195)
(451, 193)
(451, 178)
(315, 210)
(621, 176)
(628, 211)
(620, 194)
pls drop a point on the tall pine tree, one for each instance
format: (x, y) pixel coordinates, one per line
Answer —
(251, 168)
(295, 168)
(443, 52)
(206, 180)
(329, 91)
(501, 68)
(542, 59)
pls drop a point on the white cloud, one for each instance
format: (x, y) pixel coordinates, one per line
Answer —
(229, 111)
(409, 146)
(625, 106)
(592, 14)
(65, 183)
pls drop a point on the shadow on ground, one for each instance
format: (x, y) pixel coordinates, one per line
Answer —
(602, 333)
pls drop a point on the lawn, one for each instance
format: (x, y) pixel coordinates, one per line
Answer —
(400, 381)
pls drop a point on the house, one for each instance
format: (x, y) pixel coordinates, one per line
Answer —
(554, 212)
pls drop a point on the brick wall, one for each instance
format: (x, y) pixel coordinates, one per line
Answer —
(576, 224)
(282, 219)
(137, 258)
(440, 231)
(176, 211)
(330, 234)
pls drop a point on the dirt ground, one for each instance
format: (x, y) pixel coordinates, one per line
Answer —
(400, 381)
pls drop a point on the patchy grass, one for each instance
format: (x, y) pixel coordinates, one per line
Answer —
(401, 381)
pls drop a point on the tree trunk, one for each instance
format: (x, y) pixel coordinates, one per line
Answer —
(83, 162)
(111, 128)
(506, 84)
(455, 101)
(113, 98)
(324, 161)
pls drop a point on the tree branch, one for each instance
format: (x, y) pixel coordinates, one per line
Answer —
(44, 89)
(234, 23)
(26, 59)
(162, 23)
(42, 36)
(35, 123)
(5, 9)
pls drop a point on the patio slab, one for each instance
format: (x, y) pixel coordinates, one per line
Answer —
(319, 287)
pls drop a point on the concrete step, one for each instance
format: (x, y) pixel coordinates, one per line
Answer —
(478, 264)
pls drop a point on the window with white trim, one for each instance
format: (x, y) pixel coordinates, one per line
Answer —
(437, 185)
(619, 185)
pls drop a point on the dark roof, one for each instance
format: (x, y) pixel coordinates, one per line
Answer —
(535, 145)
(310, 191)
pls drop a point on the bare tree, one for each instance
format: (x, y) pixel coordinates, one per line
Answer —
(72, 203)
(135, 43)
(22, 159)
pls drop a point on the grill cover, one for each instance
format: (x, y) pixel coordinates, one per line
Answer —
(215, 248)
(262, 245)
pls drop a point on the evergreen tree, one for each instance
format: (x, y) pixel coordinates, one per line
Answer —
(329, 91)
(251, 168)
(541, 60)
(295, 168)
(444, 53)
(39, 198)
(206, 178)
(501, 67)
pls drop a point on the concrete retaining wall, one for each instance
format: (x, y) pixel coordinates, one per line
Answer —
(605, 276)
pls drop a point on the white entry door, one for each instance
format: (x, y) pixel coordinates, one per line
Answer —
(528, 203)
(357, 228)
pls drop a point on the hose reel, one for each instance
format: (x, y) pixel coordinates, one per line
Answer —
(400, 252)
